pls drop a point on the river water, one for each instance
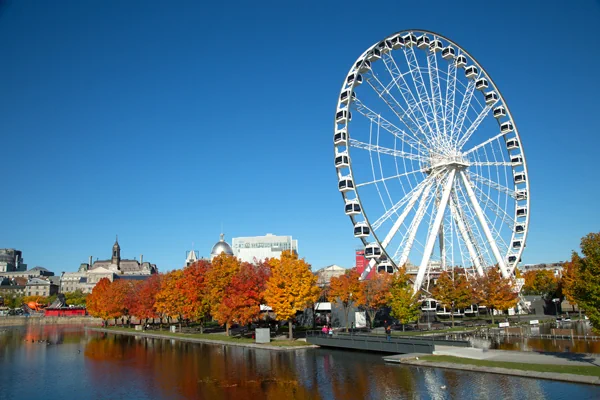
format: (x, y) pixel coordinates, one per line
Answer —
(75, 364)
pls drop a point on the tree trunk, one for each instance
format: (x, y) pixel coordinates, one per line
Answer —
(227, 328)
(579, 308)
(346, 311)
(492, 312)
(452, 315)
(201, 327)
(290, 331)
(403, 325)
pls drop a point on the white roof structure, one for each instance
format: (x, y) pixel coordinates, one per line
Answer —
(325, 274)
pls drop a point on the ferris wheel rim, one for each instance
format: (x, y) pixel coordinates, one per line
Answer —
(350, 88)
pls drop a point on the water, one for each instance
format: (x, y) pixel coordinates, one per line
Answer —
(109, 366)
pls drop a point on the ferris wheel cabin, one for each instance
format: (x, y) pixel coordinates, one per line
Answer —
(385, 267)
(471, 72)
(374, 55)
(520, 177)
(448, 53)
(372, 250)
(343, 116)
(520, 228)
(436, 45)
(516, 160)
(491, 98)
(516, 244)
(361, 229)
(423, 42)
(512, 144)
(346, 95)
(506, 127)
(409, 39)
(397, 42)
(342, 160)
(521, 211)
(460, 61)
(481, 84)
(363, 66)
(385, 46)
(341, 137)
(345, 184)
(352, 207)
(355, 79)
(499, 112)
(521, 194)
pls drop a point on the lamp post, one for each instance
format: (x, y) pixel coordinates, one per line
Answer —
(556, 301)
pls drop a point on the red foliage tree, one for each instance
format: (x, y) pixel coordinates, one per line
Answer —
(194, 291)
(145, 297)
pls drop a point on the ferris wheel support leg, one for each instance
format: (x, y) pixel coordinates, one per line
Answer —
(486, 228)
(370, 266)
(463, 231)
(434, 231)
(401, 218)
(414, 226)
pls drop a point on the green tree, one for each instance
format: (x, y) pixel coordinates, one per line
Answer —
(404, 303)
(76, 298)
(587, 287)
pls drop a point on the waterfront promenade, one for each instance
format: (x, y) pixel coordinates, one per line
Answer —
(515, 363)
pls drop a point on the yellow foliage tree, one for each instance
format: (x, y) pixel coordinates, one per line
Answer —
(170, 301)
(291, 287)
(404, 303)
(218, 278)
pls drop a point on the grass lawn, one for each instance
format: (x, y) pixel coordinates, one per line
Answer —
(563, 369)
(218, 337)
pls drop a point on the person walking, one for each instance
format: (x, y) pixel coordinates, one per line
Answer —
(388, 332)
(325, 330)
(330, 330)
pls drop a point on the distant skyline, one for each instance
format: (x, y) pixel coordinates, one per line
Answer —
(163, 122)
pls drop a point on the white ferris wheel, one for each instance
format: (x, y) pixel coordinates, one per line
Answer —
(429, 160)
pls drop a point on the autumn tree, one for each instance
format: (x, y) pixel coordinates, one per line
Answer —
(194, 291)
(169, 300)
(586, 289)
(291, 287)
(569, 281)
(122, 298)
(245, 294)
(493, 291)
(76, 298)
(145, 295)
(219, 276)
(403, 301)
(542, 282)
(98, 300)
(376, 293)
(346, 289)
(452, 291)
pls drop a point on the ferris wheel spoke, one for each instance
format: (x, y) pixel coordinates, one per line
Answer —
(407, 94)
(450, 95)
(434, 229)
(462, 112)
(484, 225)
(496, 209)
(436, 95)
(492, 164)
(494, 185)
(386, 125)
(473, 127)
(405, 116)
(392, 210)
(485, 143)
(407, 243)
(422, 94)
(467, 238)
(391, 177)
(385, 150)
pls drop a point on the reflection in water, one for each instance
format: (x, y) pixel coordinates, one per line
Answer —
(96, 365)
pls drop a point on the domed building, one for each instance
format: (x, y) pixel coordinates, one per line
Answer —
(221, 247)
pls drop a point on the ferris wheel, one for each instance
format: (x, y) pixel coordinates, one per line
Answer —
(429, 160)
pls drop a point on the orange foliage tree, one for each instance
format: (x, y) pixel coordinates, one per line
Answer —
(145, 297)
(98, 301)
(169, 300)
(494, 291)
(375, 293)
(245, 294)
(453, 291)
(569, 280)
(347, 290)
(194, 291)
(122, 298)
(291, 287)
(219, 276)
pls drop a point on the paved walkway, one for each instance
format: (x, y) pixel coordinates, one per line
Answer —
(529, 357)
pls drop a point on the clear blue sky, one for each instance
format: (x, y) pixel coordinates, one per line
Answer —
(160, 121)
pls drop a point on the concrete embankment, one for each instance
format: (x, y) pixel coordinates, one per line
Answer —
(503, 357)
(19, 321)
(190, 339)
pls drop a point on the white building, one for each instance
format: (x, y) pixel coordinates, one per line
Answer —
(258, 248)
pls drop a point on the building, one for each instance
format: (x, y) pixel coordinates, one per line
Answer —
(40, 287)
(258, 248)
(37, 272)
(90, 274)
(191, 258)
(556, 268)
(12, 287)
(11, 260)
(325, 274)
(221, 247)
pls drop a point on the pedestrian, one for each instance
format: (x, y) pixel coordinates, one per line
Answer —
(330, 330)
(325, 330)
(352, 326)
(388, 332)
